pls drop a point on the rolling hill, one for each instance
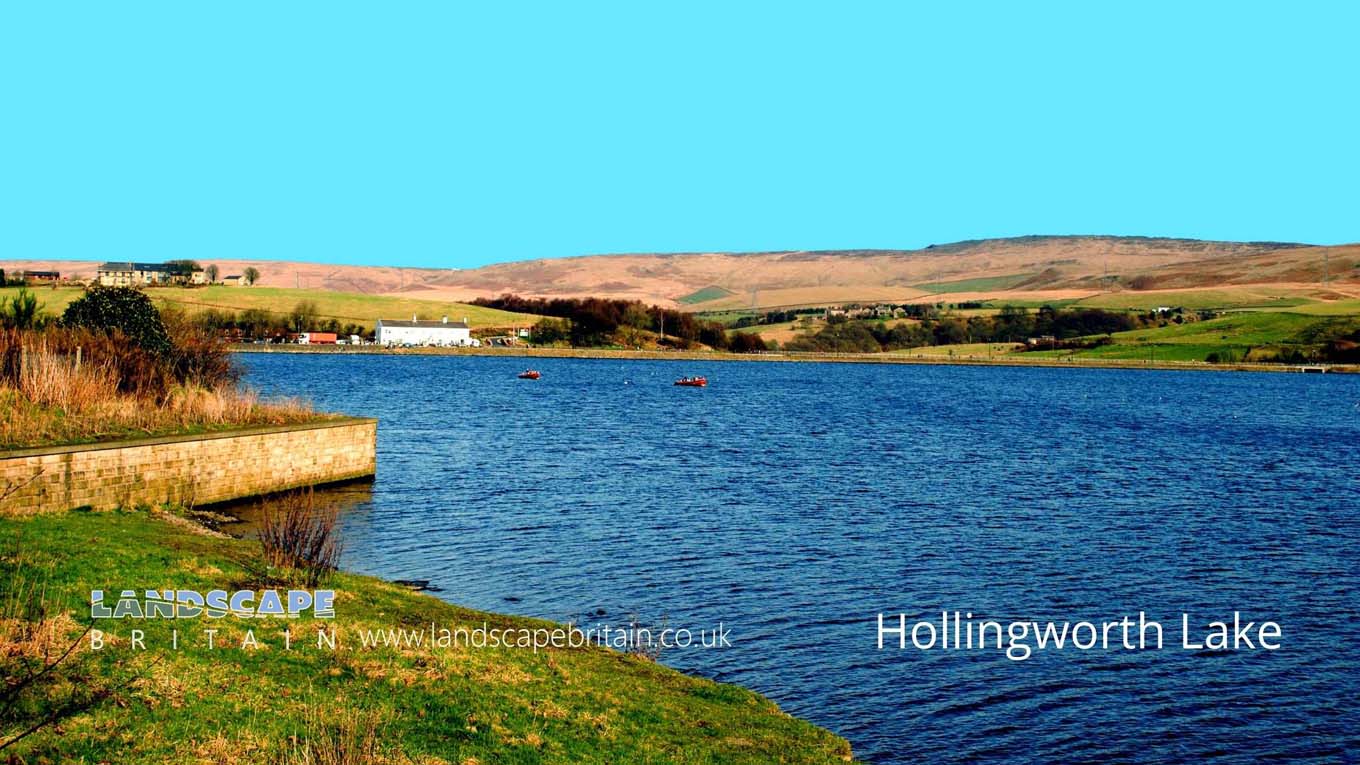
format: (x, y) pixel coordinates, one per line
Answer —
(1104, 269)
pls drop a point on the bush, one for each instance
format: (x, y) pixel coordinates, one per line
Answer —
(1342, 350)
(121, 309)
(198, 354)
(550, 331)
(296, 535)
(746, 342)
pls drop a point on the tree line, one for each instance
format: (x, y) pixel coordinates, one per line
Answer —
(261, 324)
(1011, 324)
(595, 322)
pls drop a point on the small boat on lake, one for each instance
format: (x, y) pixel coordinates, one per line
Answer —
(529, 374)
(692, 382)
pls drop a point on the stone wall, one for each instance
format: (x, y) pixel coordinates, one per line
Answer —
(197, 469)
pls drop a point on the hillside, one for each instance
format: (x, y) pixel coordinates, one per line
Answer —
(1039, 268)
(404, 704)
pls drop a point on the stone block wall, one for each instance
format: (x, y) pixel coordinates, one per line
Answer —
(198, 469)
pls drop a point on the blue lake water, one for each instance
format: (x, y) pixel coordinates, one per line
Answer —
(795, 502)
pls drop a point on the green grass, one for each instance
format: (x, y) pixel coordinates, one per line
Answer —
(704, 295)
(443, 705)
(1335, 308)
(1148, 351)
(980, 284)
(1236, 333)
(1246, 329)
(781, 326)
(1027, 303)
(962, 350)
(1206, 299)
(725, 317)
(348, 307)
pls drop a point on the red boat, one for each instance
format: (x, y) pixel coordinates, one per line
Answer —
(692, 382)
(529, 374)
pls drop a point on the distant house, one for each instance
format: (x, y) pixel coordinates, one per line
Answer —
(129, 274)
(234, 280)
(443, 333)
(39, 276)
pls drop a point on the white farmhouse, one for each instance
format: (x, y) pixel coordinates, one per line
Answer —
(416, 332)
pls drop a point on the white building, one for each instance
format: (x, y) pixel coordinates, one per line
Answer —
(416, 332)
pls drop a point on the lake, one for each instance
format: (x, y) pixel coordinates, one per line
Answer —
(794, 502)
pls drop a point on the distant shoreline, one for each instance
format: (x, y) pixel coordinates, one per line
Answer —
(1008, 360)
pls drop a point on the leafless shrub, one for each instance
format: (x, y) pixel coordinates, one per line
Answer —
(298, 535)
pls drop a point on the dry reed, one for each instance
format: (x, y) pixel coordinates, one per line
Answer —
(52, 391)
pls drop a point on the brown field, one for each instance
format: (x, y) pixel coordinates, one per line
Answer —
(1094, 270)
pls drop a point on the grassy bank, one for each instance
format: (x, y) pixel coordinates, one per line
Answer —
(408, 705)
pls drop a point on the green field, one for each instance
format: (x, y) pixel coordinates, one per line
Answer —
(962, 350)
(780, 327)
(235, 704)
(704, 295)
(1148, 352)
(1217, 299)
(1235, 333)
(347, 307)
(725, 317)
(1027, 303)
(1332, 308)
(980, 284)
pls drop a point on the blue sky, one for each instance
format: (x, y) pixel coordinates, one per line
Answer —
(453, 134)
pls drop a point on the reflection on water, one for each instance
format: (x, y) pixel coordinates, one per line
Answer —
(350, 498)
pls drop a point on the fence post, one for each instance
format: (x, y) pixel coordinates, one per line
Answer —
(78, 358)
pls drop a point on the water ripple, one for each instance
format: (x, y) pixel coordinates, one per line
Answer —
(793, 502)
